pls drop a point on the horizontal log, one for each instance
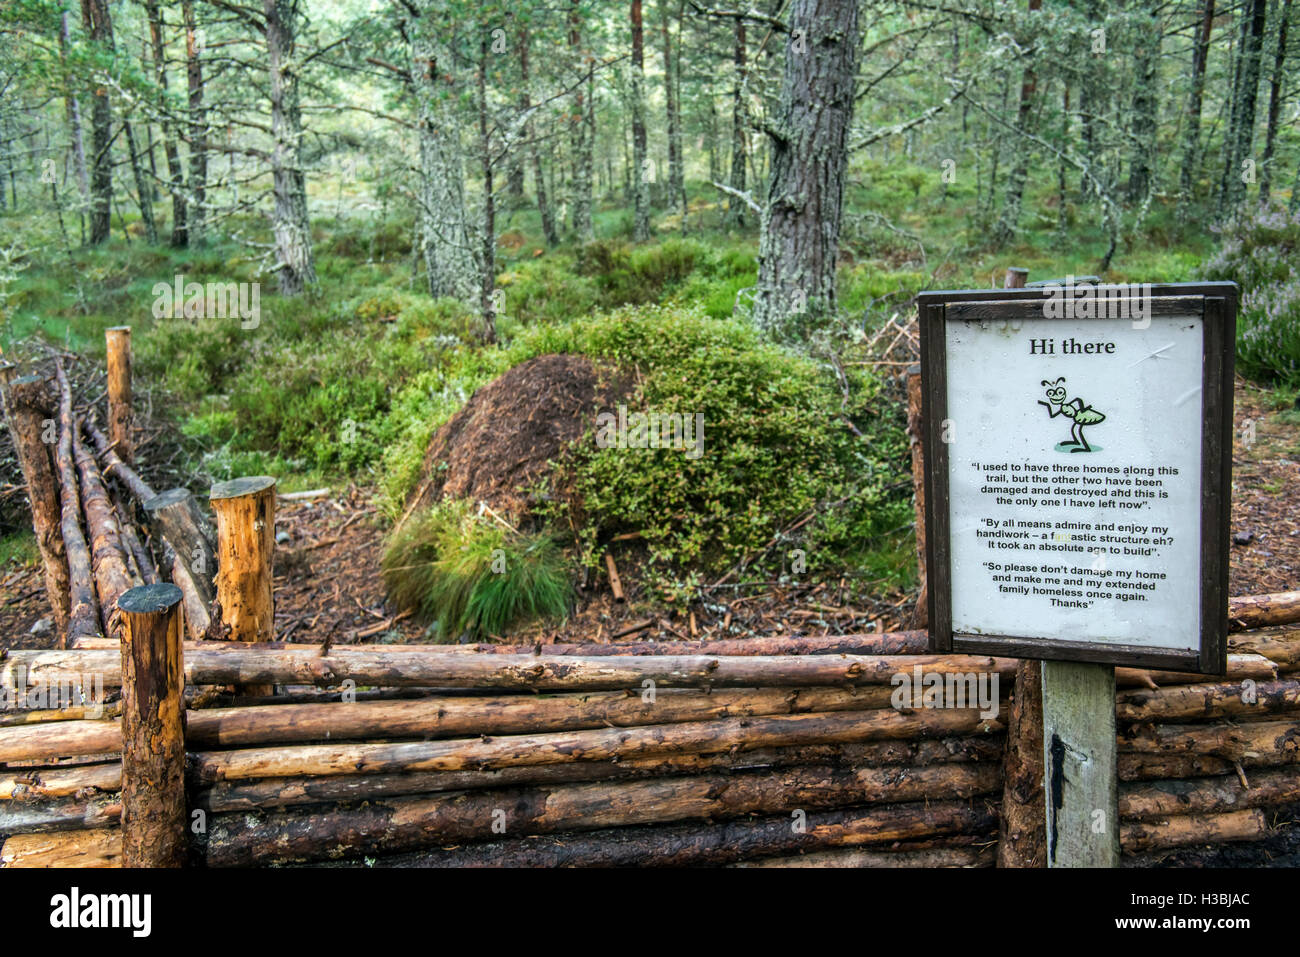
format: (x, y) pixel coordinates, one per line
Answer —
(883, 643)
(395, 667)
(64, 814)
(226, 796)
(245, 839)
(101, 847)
(861, 857)
(44, 784)
(699, 737)
(1240, 667)
(1258, 611)
(59, 739)
(714, 843)
(1208, 795)
(1184, 829)
(1230, 742)
(1203, 701)
(443, 717)
(19, 718)
(1159, 767)
(1282, 648)
(511, 714)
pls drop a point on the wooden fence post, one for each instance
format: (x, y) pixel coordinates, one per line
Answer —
(920, 614)
(244, 509)
(1022, 828)
(118, 340)
(153, 727)
(31, 413)
(1080, 765)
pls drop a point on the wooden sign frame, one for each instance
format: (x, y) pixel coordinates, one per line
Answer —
(1216, 303)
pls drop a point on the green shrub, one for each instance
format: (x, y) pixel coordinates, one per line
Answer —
(1260, 253)
(472, 574)
(775, 442)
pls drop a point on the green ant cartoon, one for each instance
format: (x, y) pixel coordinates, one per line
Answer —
(1074, 409)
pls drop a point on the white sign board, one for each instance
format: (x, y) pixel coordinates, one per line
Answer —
(1074, 470)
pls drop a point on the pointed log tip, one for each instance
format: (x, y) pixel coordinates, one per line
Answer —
(238, 487)
(149, 599)
(169, 497)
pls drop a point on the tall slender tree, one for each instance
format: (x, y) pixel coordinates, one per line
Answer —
(640, 165)
(800, 225)
(296, 266)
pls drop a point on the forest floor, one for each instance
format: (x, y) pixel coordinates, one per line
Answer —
(328, 585)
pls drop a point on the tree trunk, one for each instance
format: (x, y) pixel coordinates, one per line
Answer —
(73, 108)
(449, 256)
(488, 252)
(197, 127)
(800, 230)
(1142, 154)
(143, 191)
(1276, 83)
(95, 18)
(1241, 134)
(174, 173)
(1005, 229)
(583, 135)
(736, 209)
(672, 98)
(295, 266)
(544, 209)
(1192, 134)
(641, 169)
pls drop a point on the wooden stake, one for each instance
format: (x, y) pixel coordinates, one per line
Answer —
(32, 415)
(1080, 765)
(245, 516)
(1016, 277)
(1020, 835)
(921, 613)
(118, 339)
(153, 737)
(615, 584)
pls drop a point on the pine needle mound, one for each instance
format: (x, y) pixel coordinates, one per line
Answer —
(504, 440)
(473, 574)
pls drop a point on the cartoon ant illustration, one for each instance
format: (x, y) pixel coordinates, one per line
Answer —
(1074, 409)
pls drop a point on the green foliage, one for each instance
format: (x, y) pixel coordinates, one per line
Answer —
(472, 574)
(775, 442)
(1260, 254)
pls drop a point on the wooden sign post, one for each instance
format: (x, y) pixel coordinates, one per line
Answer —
(1078, 463)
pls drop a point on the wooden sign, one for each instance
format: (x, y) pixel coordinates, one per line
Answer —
(1078, 444)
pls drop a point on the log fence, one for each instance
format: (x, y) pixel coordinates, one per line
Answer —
(775, 751)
